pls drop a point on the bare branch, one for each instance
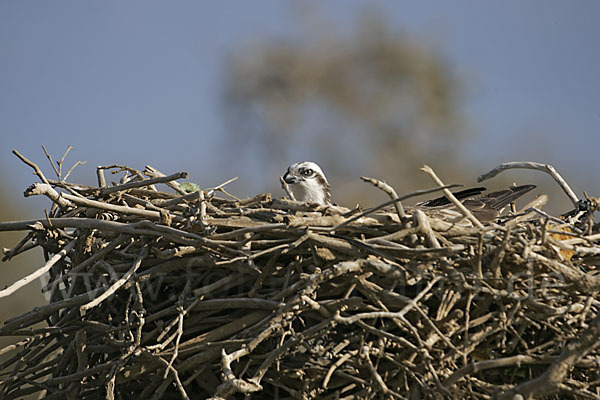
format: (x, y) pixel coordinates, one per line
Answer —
(142, 183)
(427, 169)
(33, 165)
(549, 169)
(62, 161)
(390, 192)
(51, 161)
(286, 189)
(39, 272)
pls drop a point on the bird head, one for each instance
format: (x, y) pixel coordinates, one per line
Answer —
(308, 183)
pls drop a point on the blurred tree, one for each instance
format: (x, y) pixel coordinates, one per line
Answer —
(375, 102)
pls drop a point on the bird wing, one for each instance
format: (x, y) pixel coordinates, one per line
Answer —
(443, 200)
(500, 199)
(485, 208)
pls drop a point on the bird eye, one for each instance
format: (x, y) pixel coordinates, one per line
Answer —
(307, 172)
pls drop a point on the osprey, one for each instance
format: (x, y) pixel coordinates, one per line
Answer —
(308, 183)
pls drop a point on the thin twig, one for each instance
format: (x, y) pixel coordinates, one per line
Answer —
(154, 173)
(142, 183)
(390, 192)
(62, 161)
(286, 189)
(427, 169)
(49, 157)
(222, 185)
(39, 272)
(120, 282)
(72, 168)
(33, 165)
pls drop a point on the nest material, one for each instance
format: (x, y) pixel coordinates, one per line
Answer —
(162, 295)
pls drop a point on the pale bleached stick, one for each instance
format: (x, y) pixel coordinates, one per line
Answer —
(450, 196)
(527, 211)
(31, 277)
(210, 192)
(120, 282)
(33, 165)
(62, 161)
(390, 192)
(286, 188)
(72, 168)
(154, 173)
(549, 169)
(222, 185)
(37, 189)
(425, 227)
(49, 157)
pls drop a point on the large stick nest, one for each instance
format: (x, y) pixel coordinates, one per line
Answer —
(170, 295)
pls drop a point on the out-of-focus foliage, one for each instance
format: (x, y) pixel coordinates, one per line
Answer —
(375, 102)
(20, 266)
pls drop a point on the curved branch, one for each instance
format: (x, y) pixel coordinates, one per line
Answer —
(549, 169)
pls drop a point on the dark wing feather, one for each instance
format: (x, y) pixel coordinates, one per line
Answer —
(485, 208)
(500, 199)
(489, 207)
(443, 200)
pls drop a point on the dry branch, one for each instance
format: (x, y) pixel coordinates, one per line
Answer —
(38, 273)
(549, 169)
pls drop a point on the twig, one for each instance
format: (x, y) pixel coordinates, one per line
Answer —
(120, 282)
(337, 364)
(45, 189)
(384, 314)
(17, 249)
(533, 165)
(154, 173)
(62, 161)
(364, 354)
(179, 334)
(232, 384)
(286, 189)
(425, 227)
(53, 285)
(142, 183)
(427, 169)
(72, 168)
(390, 192)
(222, 185)
(39, 272)
(101, 178)
(64, 200)
(33, 165)
(137, 228)
(51, 161)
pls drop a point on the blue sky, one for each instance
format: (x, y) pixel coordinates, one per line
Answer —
(137, 82)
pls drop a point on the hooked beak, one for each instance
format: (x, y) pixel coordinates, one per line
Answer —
(289, 178)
